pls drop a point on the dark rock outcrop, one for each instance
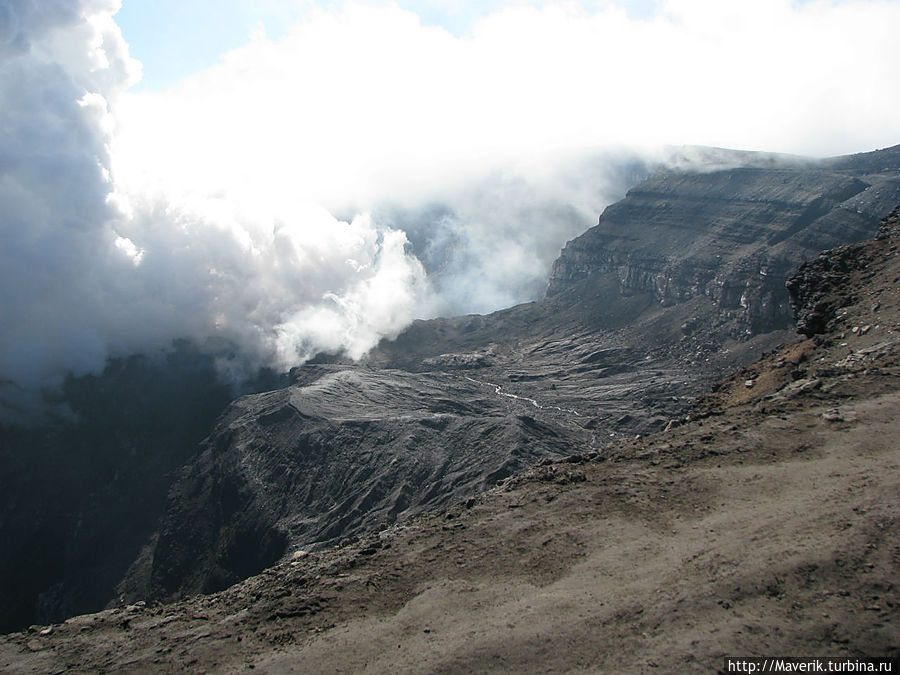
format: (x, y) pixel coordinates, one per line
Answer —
(821, 287)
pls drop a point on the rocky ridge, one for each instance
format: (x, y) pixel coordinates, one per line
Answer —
(715, 237)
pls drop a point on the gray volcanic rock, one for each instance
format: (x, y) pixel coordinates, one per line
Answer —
(822, 286)
(732, 236)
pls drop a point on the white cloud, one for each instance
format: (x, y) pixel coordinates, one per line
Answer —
(368, 102)
(90, 272)
(209, 210)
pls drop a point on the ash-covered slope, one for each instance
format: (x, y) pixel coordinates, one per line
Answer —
(347, 453)
(682, 282)
(766, 524)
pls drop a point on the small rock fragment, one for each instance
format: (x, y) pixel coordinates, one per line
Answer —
(833, 415)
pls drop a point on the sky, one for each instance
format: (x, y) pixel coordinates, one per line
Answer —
(176, 38)
(291, 177)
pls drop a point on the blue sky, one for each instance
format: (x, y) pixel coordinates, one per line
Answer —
(348, 95)
(176, 38)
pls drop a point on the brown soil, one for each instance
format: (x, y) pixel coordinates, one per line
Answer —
(767, 525)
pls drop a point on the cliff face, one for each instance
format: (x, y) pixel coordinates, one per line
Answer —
(732, 236)
(81, 495)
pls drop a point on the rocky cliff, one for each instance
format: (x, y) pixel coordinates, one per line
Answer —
(732, 236)
(821, 287)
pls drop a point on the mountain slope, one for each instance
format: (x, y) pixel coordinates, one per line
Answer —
(766, 524)
(680, 283)
(683, 281)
